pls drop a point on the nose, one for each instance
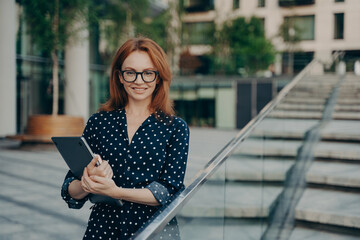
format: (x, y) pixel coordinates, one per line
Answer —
(138, 78)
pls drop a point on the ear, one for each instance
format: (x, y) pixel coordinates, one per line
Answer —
(120, 77)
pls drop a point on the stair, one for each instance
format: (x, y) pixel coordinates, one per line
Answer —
(242, 197)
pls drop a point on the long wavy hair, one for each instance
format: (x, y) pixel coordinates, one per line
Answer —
(160, 98)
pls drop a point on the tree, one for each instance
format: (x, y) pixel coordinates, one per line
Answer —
(118, 21)
(247, 45)
(51, 25)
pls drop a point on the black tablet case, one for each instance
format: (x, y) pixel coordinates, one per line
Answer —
(77, 155)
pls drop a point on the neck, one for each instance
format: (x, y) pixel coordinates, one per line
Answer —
(138, 109)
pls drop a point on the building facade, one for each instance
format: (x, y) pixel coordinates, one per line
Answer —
(326, 26)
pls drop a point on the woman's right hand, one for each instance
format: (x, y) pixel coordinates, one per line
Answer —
(102, 170)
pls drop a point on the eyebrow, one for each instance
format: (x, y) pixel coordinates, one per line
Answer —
(145, 69)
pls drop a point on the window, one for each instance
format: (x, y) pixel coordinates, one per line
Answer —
(198, 32)
(339, 0)
(236, 4)
(304, 26)
(261, 3)
(339, 26)
(198, 5)
(291, 3)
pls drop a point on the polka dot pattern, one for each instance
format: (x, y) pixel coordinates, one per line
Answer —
(155, 159)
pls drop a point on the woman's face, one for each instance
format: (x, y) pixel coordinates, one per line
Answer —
(139, 90)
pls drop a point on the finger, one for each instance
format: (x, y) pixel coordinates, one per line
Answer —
(103, 170)
(103, 165)
(84, 184)
(109, 172)
(93, 162)
(98, 179)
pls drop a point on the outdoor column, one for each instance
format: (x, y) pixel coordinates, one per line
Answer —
(77, 76)
(7, 67)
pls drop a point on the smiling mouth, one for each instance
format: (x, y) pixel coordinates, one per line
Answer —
(138, 89)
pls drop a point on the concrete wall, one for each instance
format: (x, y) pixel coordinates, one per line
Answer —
(225, 106)
(77, 76)
(7, 67)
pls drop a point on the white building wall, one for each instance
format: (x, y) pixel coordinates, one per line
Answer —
(324, 10)
(7, 68)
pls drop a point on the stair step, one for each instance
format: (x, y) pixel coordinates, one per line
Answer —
(289, 148)
(300, 107)
(329, 207)
(220, 228)
(347, 108)
(269, 147)
(284, 128)
(311, 94)
(301, 233)
(347, 115)
(235, 200)
(239, 168)
(338, 150)
(344, 130)
(296, 114)
(334, 174)
(349, 101)
(315, 101)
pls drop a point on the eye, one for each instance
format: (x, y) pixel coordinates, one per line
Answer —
(130, 73)
(148, 73)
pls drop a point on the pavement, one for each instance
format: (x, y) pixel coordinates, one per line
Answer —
(31, 177)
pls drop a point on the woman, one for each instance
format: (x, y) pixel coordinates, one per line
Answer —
(144, 144)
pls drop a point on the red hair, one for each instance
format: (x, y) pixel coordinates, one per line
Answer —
(160, 99)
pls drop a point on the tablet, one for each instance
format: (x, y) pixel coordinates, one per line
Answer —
(77, 155)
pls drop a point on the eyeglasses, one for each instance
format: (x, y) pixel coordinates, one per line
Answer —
(131, 76)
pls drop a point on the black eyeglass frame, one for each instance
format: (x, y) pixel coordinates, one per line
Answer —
(139, 73)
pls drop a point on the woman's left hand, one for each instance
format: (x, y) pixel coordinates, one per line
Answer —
(97, 184)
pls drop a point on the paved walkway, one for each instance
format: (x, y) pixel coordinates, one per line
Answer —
(31, 176)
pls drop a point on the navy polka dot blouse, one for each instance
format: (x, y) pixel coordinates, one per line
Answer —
(155, 159)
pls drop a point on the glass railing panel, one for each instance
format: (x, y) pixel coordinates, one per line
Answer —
(203, 216)
(246, 201)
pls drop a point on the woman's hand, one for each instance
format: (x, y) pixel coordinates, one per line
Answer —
(98, 184)
(102, 170)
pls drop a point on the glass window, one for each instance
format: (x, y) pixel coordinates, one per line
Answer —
(198, 5)
(236, 4)
(290, 3)
(339, 26)
(305, 26)
(261, 3)
(198, 32)
(339, 0)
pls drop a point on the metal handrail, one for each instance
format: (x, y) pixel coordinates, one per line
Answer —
(159, 220)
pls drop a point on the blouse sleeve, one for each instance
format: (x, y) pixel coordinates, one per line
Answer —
(171, 179)
(75, 203)
(72, 203)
